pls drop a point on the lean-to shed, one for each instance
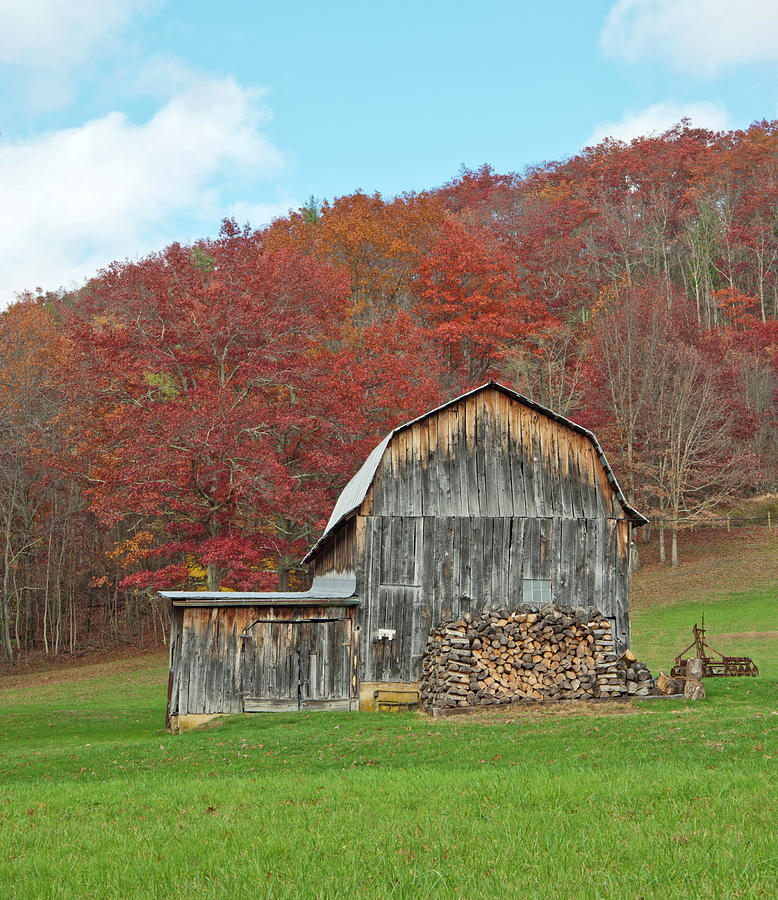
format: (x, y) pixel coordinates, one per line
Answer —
(489, 500)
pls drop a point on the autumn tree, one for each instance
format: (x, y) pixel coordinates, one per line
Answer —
(471, 301)
(201, 367)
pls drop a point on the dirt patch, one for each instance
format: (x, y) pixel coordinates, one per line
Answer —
(506, 715)
(746, 635)
(713, 562)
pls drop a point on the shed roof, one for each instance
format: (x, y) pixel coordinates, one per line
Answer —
(355, 491)
(326, 590)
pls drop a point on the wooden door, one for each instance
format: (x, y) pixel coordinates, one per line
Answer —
(299, 665)
(326, 664)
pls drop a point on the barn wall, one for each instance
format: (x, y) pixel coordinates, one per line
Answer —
(420, 570)
(212, 667)
(490, 455)
(465, 505)
(336, 556)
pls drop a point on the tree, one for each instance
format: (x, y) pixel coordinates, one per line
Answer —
(692, 456)
(202, 367)
(471, 301)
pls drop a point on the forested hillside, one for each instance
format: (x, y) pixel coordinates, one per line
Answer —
(188, 419)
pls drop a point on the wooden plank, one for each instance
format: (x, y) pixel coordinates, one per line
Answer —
(531, 491)
(591, 558)
(428, 471)
(587, 478)
(455, 462)
(602, 597)
(431, 610)
(325, 705)
(516, 562)
(503, 458)
(401, 488)
(447, 462)
(516, 459)
(543, 459)
(580, 561)
(610, 554)
(609, 505)
(233, 680)
(195, 680)
(555, 565)
(545, 526)
(563, 468)
(386, 557)
(576, 491)
(378, 488)
(477, 565)
(469, 504)
(553, 465)
(268, 704)
(370, 661)
(392, 500)
(497, 591)
(412, 477)
(409, 622)
(456, 566)
(434, 474)
(420, 453)
(464, 549)
(488, 461)
(530, 549)
(441, 600)
(420, 625)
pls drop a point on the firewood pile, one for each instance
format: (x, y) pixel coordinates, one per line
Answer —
(555, 653)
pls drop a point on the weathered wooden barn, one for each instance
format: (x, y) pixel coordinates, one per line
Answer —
(489, 500)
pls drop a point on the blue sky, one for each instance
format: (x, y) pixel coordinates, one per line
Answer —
(127, 124)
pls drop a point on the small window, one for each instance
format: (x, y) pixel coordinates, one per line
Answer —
(536, 591)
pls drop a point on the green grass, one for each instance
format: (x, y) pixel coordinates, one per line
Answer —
(660, 799)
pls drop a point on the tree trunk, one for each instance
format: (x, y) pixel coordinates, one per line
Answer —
(214, 577)
(662, 550)
(6, 606)
(674, 558)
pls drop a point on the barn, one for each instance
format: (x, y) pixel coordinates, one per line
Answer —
(490, 500)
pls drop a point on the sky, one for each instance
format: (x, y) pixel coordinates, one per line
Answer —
(126, 125)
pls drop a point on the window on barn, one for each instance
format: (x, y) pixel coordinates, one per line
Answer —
(536, 591)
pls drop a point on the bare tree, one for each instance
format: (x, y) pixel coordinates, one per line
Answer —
(690, 450)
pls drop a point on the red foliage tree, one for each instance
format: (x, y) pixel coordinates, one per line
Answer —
(194, 380)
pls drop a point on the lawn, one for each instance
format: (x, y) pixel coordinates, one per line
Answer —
(659, 799)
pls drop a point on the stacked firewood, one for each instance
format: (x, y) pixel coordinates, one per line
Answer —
(555, 653)
(633, 676)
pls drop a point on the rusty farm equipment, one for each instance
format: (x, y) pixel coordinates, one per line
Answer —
(713, 665)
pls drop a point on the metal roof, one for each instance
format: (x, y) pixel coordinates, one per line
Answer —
(355, 491)
(326, 590)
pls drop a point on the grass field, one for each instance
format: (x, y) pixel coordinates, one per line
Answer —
(660, 799)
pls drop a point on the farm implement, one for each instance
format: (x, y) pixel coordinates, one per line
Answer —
(714, 665)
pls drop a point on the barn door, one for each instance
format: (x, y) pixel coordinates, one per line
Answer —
(298, 665)
(326, 663)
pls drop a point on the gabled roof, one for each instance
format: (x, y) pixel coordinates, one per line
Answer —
(355, 491)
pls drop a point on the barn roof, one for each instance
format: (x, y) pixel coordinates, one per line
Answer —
(355, 491)
(326, 590)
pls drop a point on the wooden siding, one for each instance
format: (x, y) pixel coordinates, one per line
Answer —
(489, 455)
(336, 555)
(290, 657)
(418, 571)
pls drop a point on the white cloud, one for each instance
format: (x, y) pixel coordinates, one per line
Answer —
(52, 33)
(75, 199)
(658, 118)
(696, 36)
